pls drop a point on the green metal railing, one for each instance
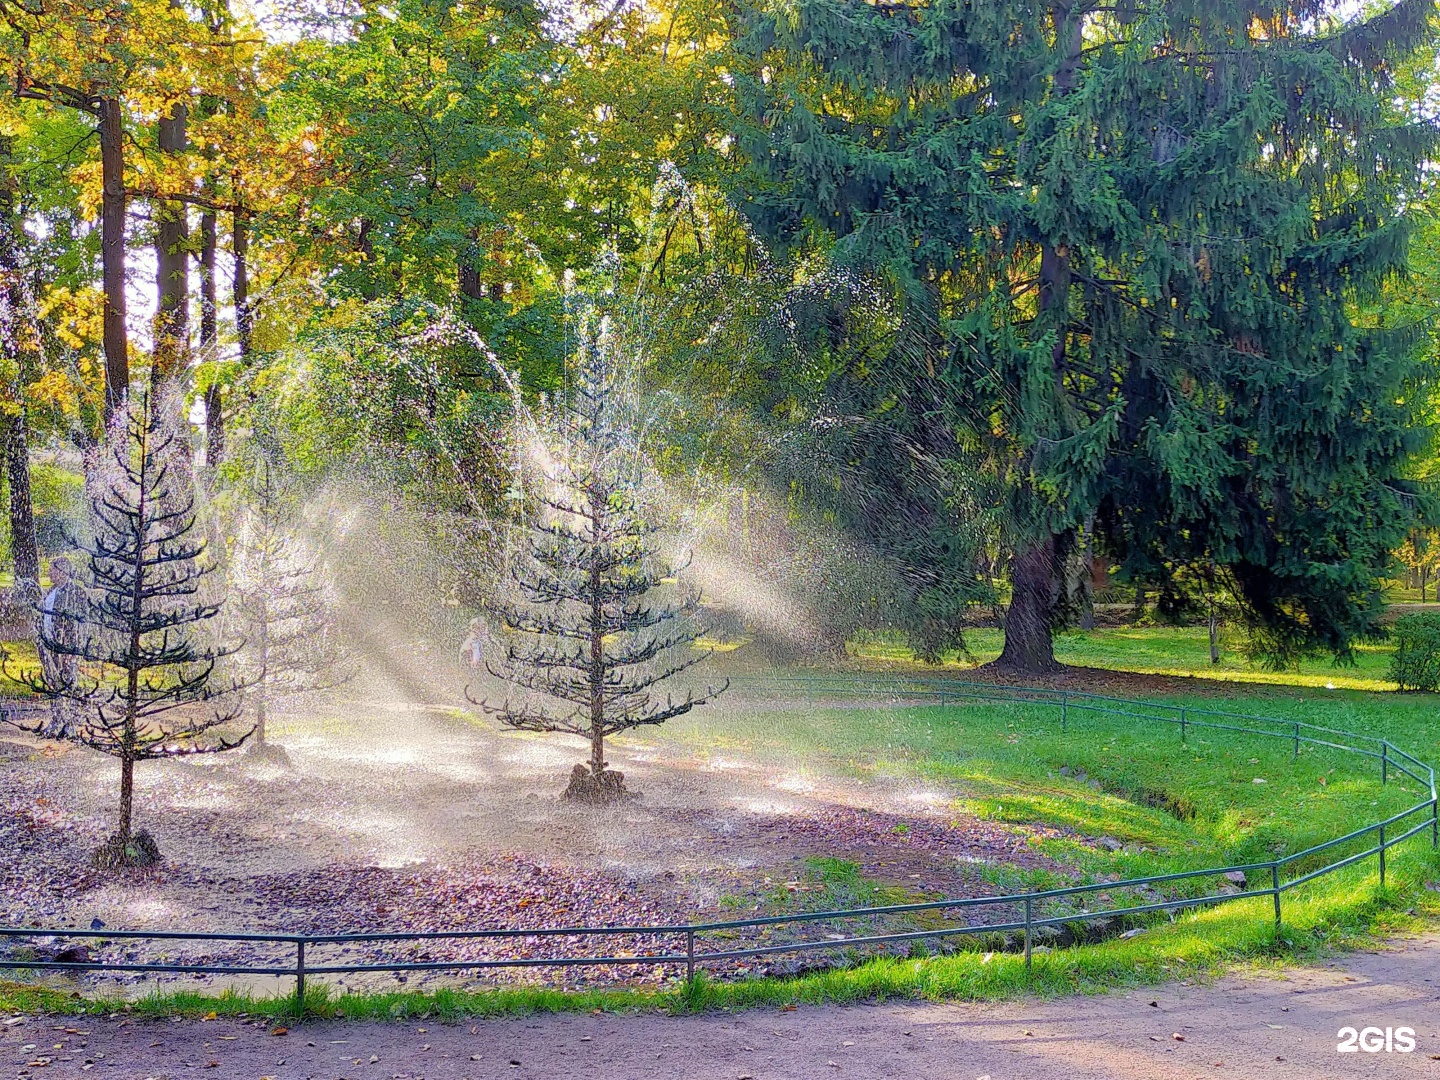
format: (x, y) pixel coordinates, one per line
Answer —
(681, 946)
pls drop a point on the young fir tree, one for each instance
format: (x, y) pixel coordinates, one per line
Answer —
(1133, 239)
(145, 685)
(592, 626)
(282, 605)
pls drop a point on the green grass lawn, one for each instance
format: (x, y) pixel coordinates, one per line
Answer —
(1160, 650)
(1003, 761)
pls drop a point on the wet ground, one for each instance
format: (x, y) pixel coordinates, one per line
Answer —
(407, 817)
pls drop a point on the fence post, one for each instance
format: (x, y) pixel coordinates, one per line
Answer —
(1297, 738)
(1064, 710)
(1029, 908)
(1183, 718)
(1382, 856)
(690, 956)
(1275, 888)
(299, 976)
(1384, 762)
(1434, 819)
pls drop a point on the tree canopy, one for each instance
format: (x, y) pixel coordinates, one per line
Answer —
(978, 293)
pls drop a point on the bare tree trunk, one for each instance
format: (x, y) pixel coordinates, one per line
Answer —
(370, 288)
(127, 798)
(172, 261)
(468, 271)
(210, 345)
(244, 317)
(20, 349)
(1030, 620)
(597, 677)
(23, 547)
(209, 303)
(1214, 636)
(258, 739)
(112, 252)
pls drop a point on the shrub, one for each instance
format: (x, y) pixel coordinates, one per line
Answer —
(1415, 664)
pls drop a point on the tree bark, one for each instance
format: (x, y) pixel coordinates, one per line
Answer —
(244, 316)
(1035, 591)
(172, 261)
(23, 547)
(209, 346)
(127, 797)
(112, 252)
(209, 303)
(264, 654)
(20, 348)
(467, 271)
(597, 677)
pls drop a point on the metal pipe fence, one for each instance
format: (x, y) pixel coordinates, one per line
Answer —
(681, 945)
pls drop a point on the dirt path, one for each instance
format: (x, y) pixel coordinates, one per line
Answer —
(1279, 1026)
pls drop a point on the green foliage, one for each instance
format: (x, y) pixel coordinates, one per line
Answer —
(1415, 664)
(1131, 248)
(55, 494)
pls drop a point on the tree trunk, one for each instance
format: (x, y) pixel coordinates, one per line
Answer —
(172, 261)
(244, 317)
(22, 516)
(209, 347)
(1038, 575)
(469, 279)
(369, 287)
(1214, 638)
(264, 656)
(112, 252)
(127, 798)
(20, 348)
(1030, 621)
(597, 677)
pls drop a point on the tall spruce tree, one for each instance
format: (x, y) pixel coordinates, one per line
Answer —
(1134, 239)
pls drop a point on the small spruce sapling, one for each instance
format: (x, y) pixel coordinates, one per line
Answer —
(593, 622)
(145, 685)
